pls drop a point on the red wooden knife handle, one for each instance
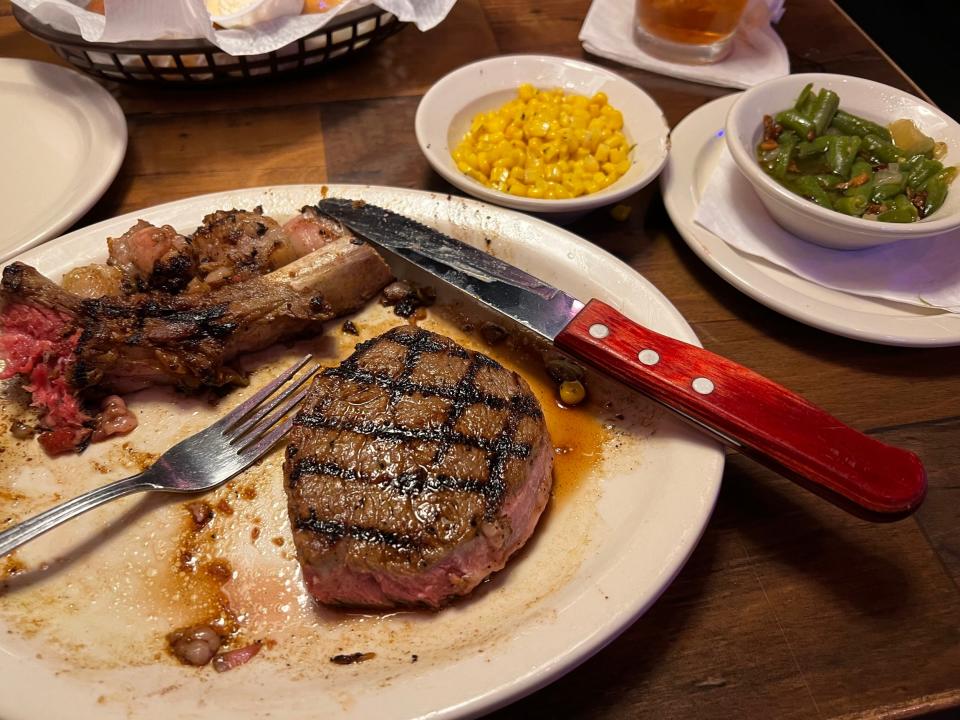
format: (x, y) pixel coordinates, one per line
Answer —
(768, 422)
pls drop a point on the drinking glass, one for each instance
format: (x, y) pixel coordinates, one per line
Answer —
(691, 31)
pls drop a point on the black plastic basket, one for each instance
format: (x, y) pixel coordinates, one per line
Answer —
(196, 62)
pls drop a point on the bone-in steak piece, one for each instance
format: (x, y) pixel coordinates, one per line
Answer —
(415, 469)
(67, 347)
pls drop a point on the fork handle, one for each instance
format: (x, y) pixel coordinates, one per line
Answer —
(36, 526)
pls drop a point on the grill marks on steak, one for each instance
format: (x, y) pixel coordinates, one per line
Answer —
(415, 468)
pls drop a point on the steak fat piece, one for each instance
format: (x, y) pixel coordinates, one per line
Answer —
(415, 469)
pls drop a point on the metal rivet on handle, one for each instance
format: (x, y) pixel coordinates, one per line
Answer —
(703, 385)
(648, 356)
(599, 331)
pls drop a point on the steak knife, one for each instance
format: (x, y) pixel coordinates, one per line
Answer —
(730, 402)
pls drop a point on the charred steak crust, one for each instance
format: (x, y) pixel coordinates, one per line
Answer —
(189, 336)
(70, 349)
(415, 468)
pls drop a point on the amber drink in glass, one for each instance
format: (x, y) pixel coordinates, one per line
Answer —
(691, 31)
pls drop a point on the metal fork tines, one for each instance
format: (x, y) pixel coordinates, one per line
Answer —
(202, 461)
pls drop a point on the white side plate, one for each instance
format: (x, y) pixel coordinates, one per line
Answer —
(62, 139)
(696, 144)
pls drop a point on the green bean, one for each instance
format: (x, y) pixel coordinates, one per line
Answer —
(827, 182)
(848, 124)
(803, 100)
(936, 194)
(809, 149)
(824, 109)
(924, 170)
(936, 188)
(854, 125)
(888, 189)
(808, 186)
(829, 156)
(881, 151)
(796, 122)
(949, 174)
(900, 210)
(853, 205)
(841, 153)
(788, 142)
(912, 163)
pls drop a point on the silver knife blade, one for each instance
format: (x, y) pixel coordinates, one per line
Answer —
(500, 286)
(495, 283)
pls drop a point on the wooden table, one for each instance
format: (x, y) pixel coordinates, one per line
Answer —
(788, 607)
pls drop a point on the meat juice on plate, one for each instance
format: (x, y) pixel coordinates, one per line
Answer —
(96, 598)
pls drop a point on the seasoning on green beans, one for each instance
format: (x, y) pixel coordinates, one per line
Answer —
(853, 165)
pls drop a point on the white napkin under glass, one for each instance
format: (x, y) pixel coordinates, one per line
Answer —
(758, 53)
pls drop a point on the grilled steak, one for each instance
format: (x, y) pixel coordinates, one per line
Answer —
(230, 246)
(64, 344)
(236, 245)
(415, 469)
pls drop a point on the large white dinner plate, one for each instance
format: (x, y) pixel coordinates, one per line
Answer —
(72, 635)
(62, 139)
(696, 144)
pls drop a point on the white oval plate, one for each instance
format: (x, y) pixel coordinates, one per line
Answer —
(697, 144)
(599, 559)
(62, 139)
(445, 112)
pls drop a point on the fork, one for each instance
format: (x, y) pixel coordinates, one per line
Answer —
(201, 462)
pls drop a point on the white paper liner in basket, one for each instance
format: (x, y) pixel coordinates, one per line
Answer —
(127, 20)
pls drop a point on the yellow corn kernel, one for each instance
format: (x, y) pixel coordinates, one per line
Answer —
(483, 163)
(572, 392)
(546, 143)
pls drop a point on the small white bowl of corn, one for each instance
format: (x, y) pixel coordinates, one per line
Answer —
(542, 134)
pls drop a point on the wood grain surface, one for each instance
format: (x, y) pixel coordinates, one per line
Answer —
(789, 607)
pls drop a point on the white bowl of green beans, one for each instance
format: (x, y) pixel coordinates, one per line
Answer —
(818, 150)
